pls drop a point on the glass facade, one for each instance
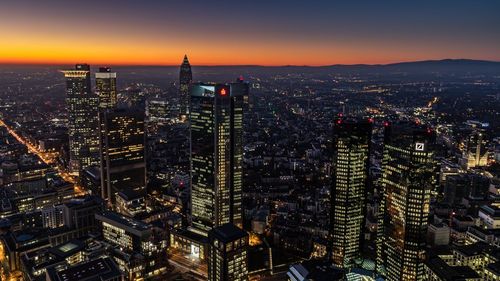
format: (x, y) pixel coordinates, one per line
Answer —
(123, 164)
(351, 142)
(216, 154)
(82, 119)
(475, 150)
(409, 175)
(105, 82)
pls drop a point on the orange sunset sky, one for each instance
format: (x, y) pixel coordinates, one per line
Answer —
(256, 32)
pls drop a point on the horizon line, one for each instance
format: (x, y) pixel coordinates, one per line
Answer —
(239, 65)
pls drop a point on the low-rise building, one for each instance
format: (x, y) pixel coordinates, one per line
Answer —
(489, 216)
(438, 234)
(227, 255)
(137, 250)
(102, 269)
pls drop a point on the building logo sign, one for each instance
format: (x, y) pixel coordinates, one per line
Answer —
(420, 146)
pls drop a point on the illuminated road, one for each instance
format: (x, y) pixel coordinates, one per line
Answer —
(14, 276)
(432, 102)
(47, 158)
(185, 264)
(2, 260)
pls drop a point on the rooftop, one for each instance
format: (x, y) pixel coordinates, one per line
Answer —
(68, 249)
(494, 267)
(228, 232)
(473, 249)
(95, 270)
(450, 273)
(115, 218)
(490, 210)
(317, 270)
(190, 235)
(87, 199)
(129, 194)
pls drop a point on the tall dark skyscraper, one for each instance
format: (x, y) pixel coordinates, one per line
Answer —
(123, 164)
(409, 175)
(105, 82)
(351, 142)
(216, 123)
(185, 79)
(82, 119)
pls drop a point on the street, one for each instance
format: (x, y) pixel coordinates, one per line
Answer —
(47, 158)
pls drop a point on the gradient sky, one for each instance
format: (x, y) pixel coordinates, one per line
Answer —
(265, 32)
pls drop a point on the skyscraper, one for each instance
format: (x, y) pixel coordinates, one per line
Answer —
(105, 82)
(409, 175)
(216, 125)
(227, 257)
(82, 119)
(351, 142)
(158, 111)
(185, 79)
(123, 164)
(475, 152)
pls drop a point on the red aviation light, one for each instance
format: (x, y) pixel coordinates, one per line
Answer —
(223, 92)
(386, 124)
(339, 121)
(370, 120)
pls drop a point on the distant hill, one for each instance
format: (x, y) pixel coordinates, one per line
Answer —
(165, 75)
(445, 66)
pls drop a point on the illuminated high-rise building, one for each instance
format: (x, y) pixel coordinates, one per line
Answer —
(123, 164)
(82, 119)
(216, 124)
(185, 79)
(158, 110)
(227, 254)
(351, 142)
(475, 151)
(105, 84)
(409, 175)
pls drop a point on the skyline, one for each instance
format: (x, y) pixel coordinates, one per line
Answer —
(257, 33)
(329, 140)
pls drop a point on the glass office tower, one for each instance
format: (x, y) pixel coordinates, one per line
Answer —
(216, 126)
(105, 83)
(351, 141)
(409, 175)
(123, 164)
(82, 119)
(475, 152)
